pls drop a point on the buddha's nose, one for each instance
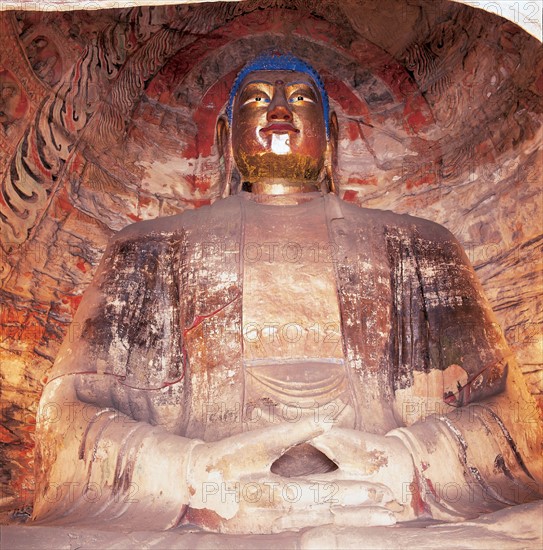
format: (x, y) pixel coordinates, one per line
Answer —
(278, 110)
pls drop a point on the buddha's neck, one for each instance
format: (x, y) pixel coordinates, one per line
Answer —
(282, 187)
(290, 199)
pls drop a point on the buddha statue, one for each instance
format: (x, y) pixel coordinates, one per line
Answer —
(283, 359)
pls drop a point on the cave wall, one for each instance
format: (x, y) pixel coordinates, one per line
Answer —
(107, 117)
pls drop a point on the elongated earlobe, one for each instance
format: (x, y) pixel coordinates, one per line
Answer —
(224, 148)
(221, 135)
(331, 153)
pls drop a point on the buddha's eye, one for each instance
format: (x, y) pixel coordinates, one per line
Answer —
(299, 98)
(257, 98)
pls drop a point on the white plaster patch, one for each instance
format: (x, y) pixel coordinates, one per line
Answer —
(280, 144)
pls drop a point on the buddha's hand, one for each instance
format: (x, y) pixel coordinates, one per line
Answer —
(232, 489)
(380, 459)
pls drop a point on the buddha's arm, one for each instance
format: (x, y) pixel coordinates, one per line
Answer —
(481, 457)
(97, 464)
(102, 453)
(486, 453)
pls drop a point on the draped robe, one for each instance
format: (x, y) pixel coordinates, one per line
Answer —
(156, 352)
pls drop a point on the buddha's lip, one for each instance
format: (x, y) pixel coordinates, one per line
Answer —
(280, 127)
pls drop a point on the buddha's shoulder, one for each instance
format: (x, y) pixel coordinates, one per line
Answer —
(391, 222)
(167, 228)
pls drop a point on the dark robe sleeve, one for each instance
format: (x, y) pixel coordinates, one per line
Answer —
(482, 450)
(106, 443)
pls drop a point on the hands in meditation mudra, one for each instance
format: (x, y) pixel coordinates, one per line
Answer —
(283, 359)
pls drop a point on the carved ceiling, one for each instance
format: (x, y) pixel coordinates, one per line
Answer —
(108, 117)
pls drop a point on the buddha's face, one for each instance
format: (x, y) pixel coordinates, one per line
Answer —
(278, 131)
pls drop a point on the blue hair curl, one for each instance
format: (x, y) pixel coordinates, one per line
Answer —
(280, 62)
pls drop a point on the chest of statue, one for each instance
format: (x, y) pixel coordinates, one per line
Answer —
(293, 354)
(263, 326)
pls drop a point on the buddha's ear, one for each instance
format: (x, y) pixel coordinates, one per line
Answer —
(334, 136)
(331, 153)
(222, 130)
(224, 148)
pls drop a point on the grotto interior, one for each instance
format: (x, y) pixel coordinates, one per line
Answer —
(107, 117)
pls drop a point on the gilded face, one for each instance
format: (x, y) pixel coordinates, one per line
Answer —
(278, 130)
